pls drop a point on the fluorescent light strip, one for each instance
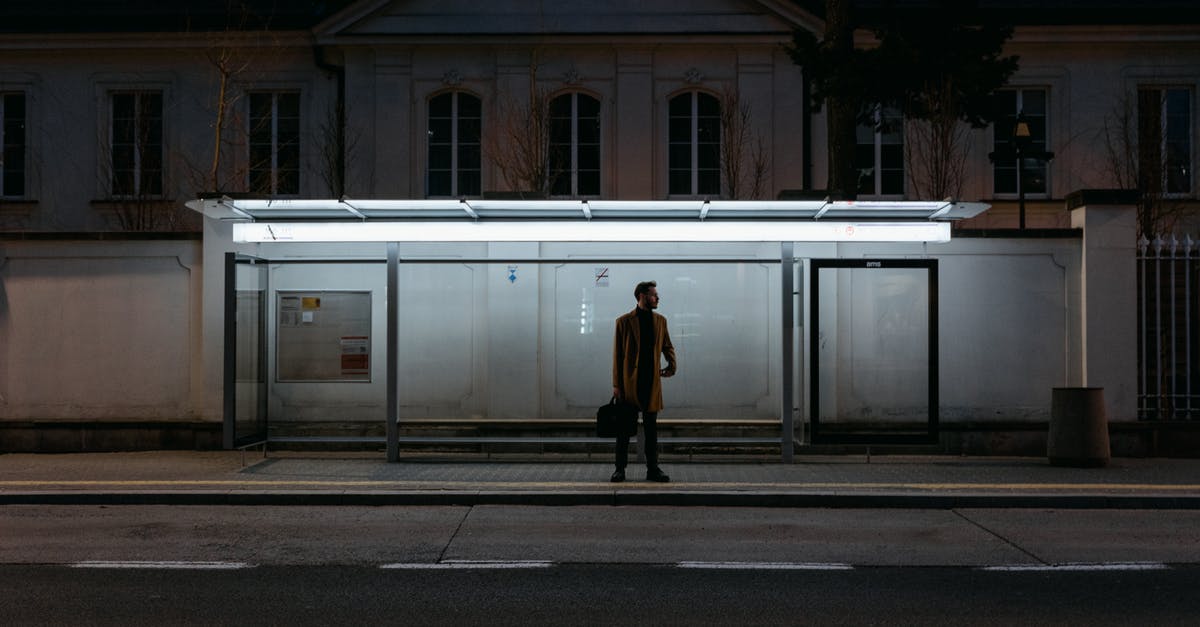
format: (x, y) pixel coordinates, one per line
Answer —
(765, 565)
(163, 565)
(1073, 567)
(469, 565)
(594, 231)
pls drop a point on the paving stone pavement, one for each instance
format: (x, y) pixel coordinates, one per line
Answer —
(842, 481)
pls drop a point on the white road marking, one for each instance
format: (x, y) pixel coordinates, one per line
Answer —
(168, 565)
(1078, 567)
(765, 565)
(469, 565)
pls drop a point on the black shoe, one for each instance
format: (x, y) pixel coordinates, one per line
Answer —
(617, 476)
(657, 475)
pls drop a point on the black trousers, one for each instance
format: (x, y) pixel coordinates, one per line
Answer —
(649, 443)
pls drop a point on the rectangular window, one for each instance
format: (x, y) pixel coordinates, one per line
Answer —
(575, 145)
(1165, 140)
(455, 148)
(12, 145)
(136, 140)
(1010, 138)
(879, 155)
(274, 143)
(694, 145)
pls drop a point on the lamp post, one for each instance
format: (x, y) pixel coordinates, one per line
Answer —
(1019, 149)
(1020, 138)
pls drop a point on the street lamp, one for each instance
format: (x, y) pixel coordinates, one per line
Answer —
(1020, 150)
(1020, 141)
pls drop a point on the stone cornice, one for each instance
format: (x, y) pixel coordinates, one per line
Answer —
(144, 41)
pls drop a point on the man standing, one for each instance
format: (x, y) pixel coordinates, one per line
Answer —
(641, 337)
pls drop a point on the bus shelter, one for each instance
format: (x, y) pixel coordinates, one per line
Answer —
(819, 316)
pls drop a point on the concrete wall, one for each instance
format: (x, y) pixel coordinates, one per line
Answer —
(103, 332)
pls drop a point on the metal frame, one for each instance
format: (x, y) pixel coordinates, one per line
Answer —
(276, 326)
(788, 320)
(787, 265)
(491, 211)
(818, 437)
(230, 438)
(392, 438)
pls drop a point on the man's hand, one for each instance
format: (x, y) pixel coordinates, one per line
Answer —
(617, 393)
(666, 374)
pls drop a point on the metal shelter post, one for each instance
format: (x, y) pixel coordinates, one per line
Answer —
(393, 358)
(787, 301)
(229, 352)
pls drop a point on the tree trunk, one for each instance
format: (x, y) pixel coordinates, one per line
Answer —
(842, 111)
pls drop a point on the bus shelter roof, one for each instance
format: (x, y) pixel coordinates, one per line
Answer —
(585, 220)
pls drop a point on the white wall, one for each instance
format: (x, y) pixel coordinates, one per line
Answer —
(100, 330)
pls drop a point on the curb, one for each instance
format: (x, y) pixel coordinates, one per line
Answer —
(691, 498)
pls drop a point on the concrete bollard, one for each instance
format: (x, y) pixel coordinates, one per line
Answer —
(1078, 428)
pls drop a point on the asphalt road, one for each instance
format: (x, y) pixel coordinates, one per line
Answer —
(594, 594)
(595, 565)
(263, 536)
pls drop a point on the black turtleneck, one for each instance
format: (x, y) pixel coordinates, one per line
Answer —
(646, 357)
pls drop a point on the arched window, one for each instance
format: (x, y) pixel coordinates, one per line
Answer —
(575, 145)
(694, 151)
(455, 124)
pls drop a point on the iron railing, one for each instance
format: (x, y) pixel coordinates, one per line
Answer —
(1168, 321)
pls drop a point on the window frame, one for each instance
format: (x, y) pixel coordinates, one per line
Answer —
(1162, 89)
(138, 168)
(573, 167)
(456, 146)
(1020, 90)
(25, 138)
(877, 156)
(274, 167)
(694, 147)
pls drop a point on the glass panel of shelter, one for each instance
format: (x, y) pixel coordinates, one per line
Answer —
(532, 339)
(490, 329)
(247, 400)
(873, 351)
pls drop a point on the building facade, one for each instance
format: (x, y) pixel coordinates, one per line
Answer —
(112, 121)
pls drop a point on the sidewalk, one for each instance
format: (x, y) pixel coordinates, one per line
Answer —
(289, 478)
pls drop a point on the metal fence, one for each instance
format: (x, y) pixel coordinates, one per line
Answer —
(1168, 322)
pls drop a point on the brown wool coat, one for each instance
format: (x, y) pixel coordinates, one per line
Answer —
(626, 341)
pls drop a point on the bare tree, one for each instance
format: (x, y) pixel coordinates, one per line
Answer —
(337, 151)
(133, 168)
(228, 62)
(1137, 165)
(517, 141)
(937, 148)
(744, 161)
